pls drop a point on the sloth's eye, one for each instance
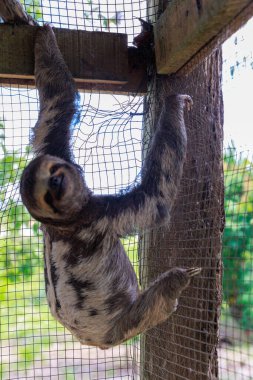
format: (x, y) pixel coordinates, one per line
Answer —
(55, 167)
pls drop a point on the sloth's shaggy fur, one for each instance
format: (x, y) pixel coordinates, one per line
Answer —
(91, 286)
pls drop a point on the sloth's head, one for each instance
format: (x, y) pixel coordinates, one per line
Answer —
(53, 189)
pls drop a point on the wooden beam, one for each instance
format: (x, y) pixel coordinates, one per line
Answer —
(98, 61)
(187, 26)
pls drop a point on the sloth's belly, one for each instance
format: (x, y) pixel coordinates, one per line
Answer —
(82, 311)
(88, 294)
(88, 309)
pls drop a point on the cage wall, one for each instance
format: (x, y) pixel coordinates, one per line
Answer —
(235, 345)
(107, 142)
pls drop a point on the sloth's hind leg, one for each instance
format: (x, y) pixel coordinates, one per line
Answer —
(152, 307)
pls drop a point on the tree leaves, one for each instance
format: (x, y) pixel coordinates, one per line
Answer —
(19, 249)
(238, 237)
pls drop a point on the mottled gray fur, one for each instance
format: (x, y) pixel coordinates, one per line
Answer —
(13, 12)
(91, 286)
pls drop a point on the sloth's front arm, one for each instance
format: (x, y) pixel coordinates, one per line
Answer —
(150, 203)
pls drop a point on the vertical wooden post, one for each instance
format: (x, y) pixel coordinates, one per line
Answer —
(185, 346)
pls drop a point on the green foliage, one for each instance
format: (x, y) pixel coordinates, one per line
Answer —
(20, 261)
(23, 306)
(33, 8)
(238, 238)
(26, 324)
(94, 17)
(19, 254)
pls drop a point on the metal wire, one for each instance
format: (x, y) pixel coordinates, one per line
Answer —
(236, 324)
(108, 142)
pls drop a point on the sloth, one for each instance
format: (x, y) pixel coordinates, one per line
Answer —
(91, 286)
(12, 12)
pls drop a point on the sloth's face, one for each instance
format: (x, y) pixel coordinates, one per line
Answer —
(53, 188)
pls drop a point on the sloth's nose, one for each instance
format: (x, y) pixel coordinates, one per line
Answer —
(55, 182)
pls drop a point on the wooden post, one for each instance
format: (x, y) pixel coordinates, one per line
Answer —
(186, 27)
(185, 346)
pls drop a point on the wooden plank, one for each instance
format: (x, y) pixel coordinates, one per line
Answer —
(136, 85)
(187, 26)
(98, 60)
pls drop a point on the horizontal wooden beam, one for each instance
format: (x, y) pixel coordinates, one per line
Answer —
(98, 61)
(187, 26)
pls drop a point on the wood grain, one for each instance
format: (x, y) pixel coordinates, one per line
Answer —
(98, 61)
(187, 26)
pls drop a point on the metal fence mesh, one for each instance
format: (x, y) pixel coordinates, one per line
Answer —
(236, 325)
(32, 343)
(108, 142)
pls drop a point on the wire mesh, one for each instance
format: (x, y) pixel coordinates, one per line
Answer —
(108, 143)
(32, 343)
(236, 325)
(184, 346)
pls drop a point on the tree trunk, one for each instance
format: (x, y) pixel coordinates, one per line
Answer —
(185, 346)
